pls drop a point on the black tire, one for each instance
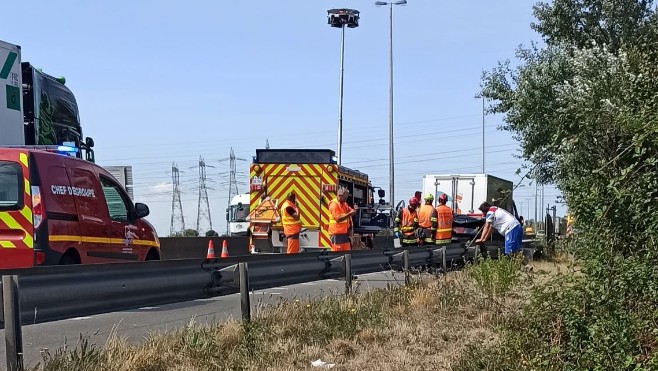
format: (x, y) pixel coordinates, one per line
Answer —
(68, 259)
(152, 255)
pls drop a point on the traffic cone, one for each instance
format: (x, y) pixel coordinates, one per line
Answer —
(211, 250)
(224, 250)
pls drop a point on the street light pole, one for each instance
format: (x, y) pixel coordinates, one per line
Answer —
(340, 102)
(543, 215)
(536, 194)
(483, 134)
(391, 157)
(528, 215)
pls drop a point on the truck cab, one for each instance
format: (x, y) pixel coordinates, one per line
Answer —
(236, 215)
(374, 218)
(37, 109)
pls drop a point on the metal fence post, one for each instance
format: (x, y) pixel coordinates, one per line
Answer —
(12, 317)
(347, 265)
(444, 263)
(244, 292)
(405, 267)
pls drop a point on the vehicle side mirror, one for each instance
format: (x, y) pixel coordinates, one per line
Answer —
(227, 215)
(141, 210)
(381, 193)
(89, 142)
(240, 206)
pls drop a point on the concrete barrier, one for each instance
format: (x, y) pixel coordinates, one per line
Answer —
(197, 247)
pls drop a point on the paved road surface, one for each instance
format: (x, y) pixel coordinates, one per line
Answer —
(138, 323)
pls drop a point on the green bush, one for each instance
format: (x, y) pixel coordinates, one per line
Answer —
(585, 108)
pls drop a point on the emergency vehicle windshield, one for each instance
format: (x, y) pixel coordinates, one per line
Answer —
(10, 181)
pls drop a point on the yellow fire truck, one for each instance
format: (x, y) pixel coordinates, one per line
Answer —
(314, 176)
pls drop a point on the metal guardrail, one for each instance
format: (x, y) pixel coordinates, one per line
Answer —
(44, 294)
(60, 292)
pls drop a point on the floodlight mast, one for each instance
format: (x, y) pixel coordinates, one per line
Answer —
(341, 18)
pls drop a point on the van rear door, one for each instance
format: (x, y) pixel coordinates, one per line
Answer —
(16, 230)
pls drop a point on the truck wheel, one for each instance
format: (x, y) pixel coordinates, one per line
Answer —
(69, 259)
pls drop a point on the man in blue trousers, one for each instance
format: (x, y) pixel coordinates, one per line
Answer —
(506, 224)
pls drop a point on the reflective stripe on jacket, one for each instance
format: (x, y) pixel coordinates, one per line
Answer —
(406, 222)
(290, 224)
(444, 223)
(337, 210)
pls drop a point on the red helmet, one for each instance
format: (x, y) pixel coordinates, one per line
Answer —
(443, 198)
(413, 202)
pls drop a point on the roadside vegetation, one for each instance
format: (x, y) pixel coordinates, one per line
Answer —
(433, 323)
(584, 105)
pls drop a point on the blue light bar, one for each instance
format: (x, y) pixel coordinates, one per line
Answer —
(68, 149)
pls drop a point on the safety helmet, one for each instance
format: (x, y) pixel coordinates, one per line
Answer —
(429, 197)
(413, 202)
(443, 198)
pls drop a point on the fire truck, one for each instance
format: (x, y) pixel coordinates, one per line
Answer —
(314, 176)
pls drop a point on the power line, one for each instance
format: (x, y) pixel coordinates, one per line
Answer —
(425, 134)
(365, 128)
(402, 170)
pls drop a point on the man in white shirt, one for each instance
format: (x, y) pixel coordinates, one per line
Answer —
(505, 223)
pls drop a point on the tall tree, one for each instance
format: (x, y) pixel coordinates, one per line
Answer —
(584, 108)
(584, 23)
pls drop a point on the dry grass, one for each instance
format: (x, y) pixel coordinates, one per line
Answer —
(426, 325)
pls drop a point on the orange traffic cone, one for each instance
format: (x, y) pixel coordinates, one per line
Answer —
(211, 250)
(224, 250)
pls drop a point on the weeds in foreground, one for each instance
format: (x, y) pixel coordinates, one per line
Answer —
(430, 324)
(602, 319)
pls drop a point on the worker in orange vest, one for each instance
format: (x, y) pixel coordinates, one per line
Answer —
(292, 224)
(427, 221)
(340, 221)
(444, 221)
(406, 223)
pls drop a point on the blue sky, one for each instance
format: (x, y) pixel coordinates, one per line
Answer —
(164, 81)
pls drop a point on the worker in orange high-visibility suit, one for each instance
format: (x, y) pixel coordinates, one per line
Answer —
(427, 221)
(340, 221)
(444, 221)
(292, 224)
(406, 223)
